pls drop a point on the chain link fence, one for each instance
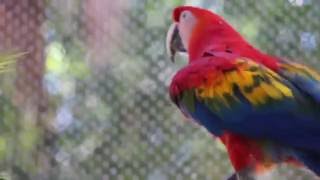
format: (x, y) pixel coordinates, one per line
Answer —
(89, 100)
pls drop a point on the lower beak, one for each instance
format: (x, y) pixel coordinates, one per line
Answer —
(173, 42)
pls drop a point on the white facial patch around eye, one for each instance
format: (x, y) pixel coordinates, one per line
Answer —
(186, 24)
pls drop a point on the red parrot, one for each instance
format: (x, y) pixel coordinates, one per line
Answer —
(264, 109)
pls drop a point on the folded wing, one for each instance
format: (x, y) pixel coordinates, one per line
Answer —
(244, 97)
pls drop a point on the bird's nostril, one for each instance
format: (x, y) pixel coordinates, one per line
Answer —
(207, 54)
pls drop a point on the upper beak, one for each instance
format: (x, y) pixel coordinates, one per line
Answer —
(173, 42)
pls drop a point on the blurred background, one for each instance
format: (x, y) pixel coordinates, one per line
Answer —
(89, 100)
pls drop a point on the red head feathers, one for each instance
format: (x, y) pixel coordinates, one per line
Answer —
(204, 32)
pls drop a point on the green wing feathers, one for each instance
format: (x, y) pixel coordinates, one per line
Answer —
(304, 78)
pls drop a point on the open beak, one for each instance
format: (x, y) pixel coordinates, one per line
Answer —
(173, 42)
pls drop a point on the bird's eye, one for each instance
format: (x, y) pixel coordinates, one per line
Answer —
(185, 15)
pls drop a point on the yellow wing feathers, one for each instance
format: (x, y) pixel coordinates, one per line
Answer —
(255, 82)
(300, 69)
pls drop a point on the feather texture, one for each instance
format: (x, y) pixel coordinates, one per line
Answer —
(246, 98)
(264, 109)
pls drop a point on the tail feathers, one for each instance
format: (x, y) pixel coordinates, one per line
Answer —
(310, 159)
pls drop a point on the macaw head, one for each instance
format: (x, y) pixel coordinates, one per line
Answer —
(195, 29)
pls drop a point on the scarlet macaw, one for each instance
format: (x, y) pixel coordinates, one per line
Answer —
(264, 109)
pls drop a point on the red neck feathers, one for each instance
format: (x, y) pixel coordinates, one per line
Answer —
(217, 37)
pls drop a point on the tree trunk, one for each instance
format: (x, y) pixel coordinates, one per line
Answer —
(20, 30)
(105, 28)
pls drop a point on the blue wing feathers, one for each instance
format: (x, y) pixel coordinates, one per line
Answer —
(307, 85)
(310, 159)
(206, 118)
(281, 108)
(281, 126)
(303, 78)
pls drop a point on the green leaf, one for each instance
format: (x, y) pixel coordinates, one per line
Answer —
(188, 100)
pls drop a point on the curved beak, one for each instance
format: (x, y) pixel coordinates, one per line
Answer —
(173, 42)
